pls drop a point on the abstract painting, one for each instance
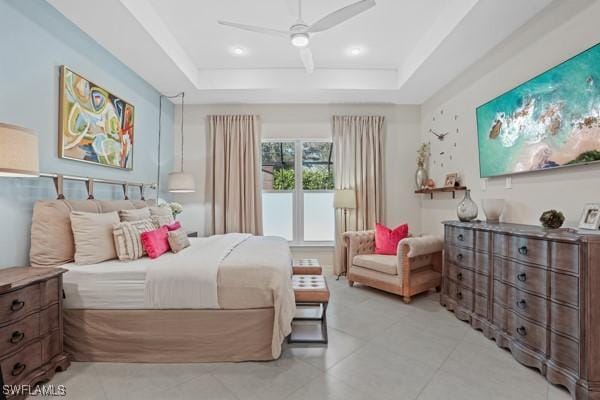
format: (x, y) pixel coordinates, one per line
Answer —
(551, 121)
(95, 126)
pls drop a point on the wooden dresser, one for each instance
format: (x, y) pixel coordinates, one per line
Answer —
(31, 333)
(536, 292)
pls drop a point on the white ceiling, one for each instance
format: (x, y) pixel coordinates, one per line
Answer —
(412, 48)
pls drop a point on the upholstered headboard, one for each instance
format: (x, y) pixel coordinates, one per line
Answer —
(51, 235)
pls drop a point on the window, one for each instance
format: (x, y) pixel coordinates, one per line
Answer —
(297, 181)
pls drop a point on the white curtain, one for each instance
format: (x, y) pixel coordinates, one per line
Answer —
(358, 146)
(234, 174)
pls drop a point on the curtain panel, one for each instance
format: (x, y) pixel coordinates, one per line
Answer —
(358, 145)
(234, 174)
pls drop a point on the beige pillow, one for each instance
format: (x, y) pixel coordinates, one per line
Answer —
(178, 240)
(161, 211)
(134, 215)
(93, 235)
(159, 220)
(127, 238)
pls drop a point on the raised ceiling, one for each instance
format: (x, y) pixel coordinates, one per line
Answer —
(410, 48)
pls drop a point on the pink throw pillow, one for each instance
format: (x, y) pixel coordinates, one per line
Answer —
(156, 242)
(386, 240)
(173, 226)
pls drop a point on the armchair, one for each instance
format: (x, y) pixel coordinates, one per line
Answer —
(416, 267)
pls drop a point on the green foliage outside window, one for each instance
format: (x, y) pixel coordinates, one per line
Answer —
(312, 179)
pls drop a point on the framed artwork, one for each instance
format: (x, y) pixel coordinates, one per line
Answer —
(550, 121)
(450, 180)
(590, 217)
(95, 126)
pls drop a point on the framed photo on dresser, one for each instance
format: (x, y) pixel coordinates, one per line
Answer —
(590, 217)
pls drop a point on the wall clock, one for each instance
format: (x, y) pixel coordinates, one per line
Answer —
(442, 137)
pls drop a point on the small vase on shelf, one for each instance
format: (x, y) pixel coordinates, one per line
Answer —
(467, 209)
(420, 177)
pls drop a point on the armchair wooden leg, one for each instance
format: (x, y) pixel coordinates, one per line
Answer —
(406, 299)
(350, 283)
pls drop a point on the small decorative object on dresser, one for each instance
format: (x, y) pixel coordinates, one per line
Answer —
(493, 208)
(31, 330)
(534, 291)
(421, 174)
(450, 180)
(552, 219)
(590, 217)
(467, 209)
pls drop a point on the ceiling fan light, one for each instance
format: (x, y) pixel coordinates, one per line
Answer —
(300, 40)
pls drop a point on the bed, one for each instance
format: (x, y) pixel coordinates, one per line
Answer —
(107, 315)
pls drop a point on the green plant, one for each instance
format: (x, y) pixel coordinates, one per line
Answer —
(552, 219)
(319, 179)
(283, 179)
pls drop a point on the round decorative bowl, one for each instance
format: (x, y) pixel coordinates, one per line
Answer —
(493, 209)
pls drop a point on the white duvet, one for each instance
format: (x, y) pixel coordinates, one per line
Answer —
(191, 282)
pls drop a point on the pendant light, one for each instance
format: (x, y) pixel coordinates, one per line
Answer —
(181, 182)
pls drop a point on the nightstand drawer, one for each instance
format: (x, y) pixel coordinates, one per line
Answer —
(522, 276)
(15, 304)
(17, 366)
(14, 336)
(50, 291)
(530, 250)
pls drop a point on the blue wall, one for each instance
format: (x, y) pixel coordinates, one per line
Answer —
(35, 40)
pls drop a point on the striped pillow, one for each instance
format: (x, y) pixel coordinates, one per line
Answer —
(127, 238)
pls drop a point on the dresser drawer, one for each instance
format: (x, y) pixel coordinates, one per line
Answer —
(527, 333)
(50, 291)
(482, 263)
(482, 241)
(14, 336)
(522, 303)
(17, 366)
(564, 352)
(564, 319)
(527, 249)
(460, 256)
(522, 276)
(15, 304)
(564, 288)
(51, 345)
(461, 275)
(461, 295)
(500, 244)
(460, 236)
(481, 284)
(564, 256)
(480, 305)
(49, 319)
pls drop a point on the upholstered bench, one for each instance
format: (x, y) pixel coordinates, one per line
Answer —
(310, 291)
(307, 266)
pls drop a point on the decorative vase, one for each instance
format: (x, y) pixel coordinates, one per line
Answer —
(420, 177)
(467, 209)
(493, 208)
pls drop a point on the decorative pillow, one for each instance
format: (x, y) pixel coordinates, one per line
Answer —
(135, 215)
(160, 220)
(93, 236)
(174, 226)
(161, 211)
(386, 240)
(178, 240)
(156, 242)
(127, 238)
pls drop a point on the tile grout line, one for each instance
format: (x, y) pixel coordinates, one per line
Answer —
(235, 396)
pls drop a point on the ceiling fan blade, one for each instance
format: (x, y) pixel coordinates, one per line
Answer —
(341, 15)
(258, 29)
(307, 59)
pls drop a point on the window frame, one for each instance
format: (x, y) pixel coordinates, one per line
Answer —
(298, 192)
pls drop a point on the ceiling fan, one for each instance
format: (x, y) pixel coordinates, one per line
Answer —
(299, 33)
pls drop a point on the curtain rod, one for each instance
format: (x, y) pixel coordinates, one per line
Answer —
(89, 183)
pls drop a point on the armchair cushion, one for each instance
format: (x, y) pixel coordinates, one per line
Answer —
(377, 262)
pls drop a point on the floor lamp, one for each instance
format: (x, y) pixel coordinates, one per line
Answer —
(344, 199)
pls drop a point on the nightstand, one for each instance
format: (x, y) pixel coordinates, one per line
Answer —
(31, 329)
(192, 234)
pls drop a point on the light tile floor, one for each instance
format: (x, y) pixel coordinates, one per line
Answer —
(379, 349)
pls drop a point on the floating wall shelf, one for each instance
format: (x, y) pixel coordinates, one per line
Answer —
(452, 190)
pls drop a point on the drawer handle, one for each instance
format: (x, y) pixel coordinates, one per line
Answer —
(523, 250)
(459, 295)
(18, 369)
(522, 331)
(459, 276)
(522, 277)
(460, 256)
(461, 238)
(17, 305)
(522, 304)
(17, 337)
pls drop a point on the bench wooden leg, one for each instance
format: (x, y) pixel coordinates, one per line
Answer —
(406, 299)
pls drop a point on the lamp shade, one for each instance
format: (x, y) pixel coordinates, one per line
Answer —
(18, 152)
(344, 198)
(181, 182)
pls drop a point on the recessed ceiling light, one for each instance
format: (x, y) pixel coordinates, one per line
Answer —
(355, 51)
(239, 51)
